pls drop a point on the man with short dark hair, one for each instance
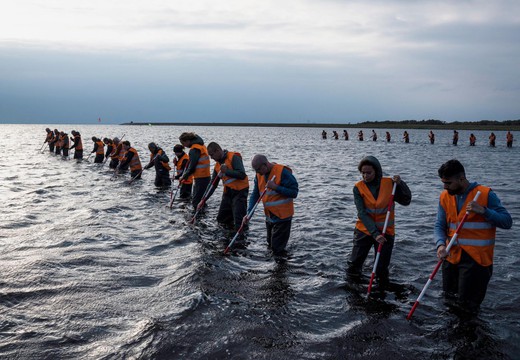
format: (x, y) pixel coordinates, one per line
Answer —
(469, 265)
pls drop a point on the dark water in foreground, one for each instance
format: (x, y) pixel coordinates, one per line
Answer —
(98, 269)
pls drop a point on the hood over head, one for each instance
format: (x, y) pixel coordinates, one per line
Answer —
(372, 160)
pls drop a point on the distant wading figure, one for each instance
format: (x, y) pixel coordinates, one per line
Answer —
(345, 134)
(406, 137)
(492, 139)
(99, 149)
(199, 165)
(455, 137)
(509, 139)
(431, 136)
(131, 159)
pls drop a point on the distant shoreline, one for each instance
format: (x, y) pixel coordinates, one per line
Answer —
(511, 125)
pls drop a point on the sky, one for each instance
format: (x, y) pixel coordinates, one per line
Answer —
(290, 61)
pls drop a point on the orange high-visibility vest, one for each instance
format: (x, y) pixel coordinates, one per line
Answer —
(101, 148)
(377, 208)
(275, 203)
(180, 169)
(230, 182)
(477, 236)
(202, 168)
(135, 163)
(78, 142)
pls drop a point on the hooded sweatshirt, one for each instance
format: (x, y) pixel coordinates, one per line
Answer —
(403, 195)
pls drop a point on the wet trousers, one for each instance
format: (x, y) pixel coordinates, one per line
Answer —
(362, 245)
(467, 280)
(233, 207)
(278, 235)
(199, 188)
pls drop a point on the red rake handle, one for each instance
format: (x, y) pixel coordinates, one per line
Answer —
(437, 267)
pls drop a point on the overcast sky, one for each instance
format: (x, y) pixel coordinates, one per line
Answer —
(340, 61)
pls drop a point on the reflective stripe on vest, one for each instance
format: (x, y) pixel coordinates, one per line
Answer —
(275, 203)
(101, 148)
(477, 236)
(180, 168)
(135, 163)
(377, 208)
(202, 168)
(232, 183)
(78, 142)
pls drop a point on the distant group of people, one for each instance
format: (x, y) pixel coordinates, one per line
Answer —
(468, 266)
(431, 137)
(274, 183)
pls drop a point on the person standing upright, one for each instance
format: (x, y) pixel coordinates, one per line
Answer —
(455, 137)
(509, 139)
(492, 139)
(406, 137)
(278, 200)
(472, 140)
(131, 159)
(431, 136)
(345, 134)
(371, 197)
(199, 166)
(374, 135)
(388, 136)
(469, 265)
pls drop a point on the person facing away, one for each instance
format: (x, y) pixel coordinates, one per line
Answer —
(131, 159)
(323, 134)
(229, 168)
(360, 135)
(99, 149)
(472, 140)
(199, 166)
(469, 265)
(181, 162)
(455, 137)
(49, 139)
(345, 134)
(77, 144)
(492, 139)
(388, 136)
(431, 136)
(278, 200)
(509, 139)
(372, 195)
(159, 159)
(374, 136)
(406, 137)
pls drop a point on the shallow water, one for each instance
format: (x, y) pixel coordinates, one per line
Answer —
(93, 268)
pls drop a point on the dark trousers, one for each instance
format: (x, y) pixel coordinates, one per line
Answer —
(467, 280)
(362, 245)
(199, 187)
(278, 235)
(185, 191)
(65, 152)
(57, 150)
(509, 144)
(99, 158)
(233, 207)
(136, 174)
(113, 163)
(78, 154)
(162, 179)
(51, 147)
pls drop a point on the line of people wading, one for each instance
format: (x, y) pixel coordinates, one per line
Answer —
(431, 137)
(468, 266)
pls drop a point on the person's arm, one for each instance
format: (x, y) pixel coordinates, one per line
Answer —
(128, 157)
(403, 195)
(497, 214)
(288, 185)
(440, 229)
(194, 155)
(95, 147)
(253, 198)
(363, 215)
(238, 171)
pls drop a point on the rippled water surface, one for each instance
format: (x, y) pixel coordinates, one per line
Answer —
(99, 269)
